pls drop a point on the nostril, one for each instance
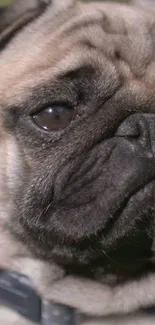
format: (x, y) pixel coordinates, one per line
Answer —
(128, 129)
(139, 127)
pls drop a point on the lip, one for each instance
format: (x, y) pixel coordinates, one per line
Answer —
(127, 216)
(119, 214)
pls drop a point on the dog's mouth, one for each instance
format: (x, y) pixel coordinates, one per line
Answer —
(139, 203)
(107, 247)
(135, 214)
(119, 251)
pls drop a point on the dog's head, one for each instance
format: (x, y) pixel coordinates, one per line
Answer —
(77, 139)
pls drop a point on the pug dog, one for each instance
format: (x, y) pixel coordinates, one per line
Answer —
(77, 155)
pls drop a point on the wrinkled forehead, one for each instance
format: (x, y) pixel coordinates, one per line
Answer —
(87, 34)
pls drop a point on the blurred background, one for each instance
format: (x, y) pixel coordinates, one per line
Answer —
(7, 2)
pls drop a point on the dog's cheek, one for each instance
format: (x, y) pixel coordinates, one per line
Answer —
(11, 175)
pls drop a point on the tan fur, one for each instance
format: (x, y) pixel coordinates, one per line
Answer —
(48, 53)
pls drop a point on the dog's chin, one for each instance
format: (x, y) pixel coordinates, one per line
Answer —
(122, 247)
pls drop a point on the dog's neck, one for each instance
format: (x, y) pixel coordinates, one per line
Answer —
(89, 296)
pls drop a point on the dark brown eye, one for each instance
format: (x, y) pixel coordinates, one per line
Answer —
(54, 118)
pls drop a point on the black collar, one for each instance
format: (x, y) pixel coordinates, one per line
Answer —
(18, 293)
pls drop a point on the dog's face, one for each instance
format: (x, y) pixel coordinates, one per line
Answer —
(77, 107)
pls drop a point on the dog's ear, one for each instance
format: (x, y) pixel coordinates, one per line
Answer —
(17, 15)
(21, 12)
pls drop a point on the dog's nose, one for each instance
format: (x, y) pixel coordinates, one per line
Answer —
(139, 128)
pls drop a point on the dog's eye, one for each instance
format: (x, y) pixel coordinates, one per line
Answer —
(54, 118)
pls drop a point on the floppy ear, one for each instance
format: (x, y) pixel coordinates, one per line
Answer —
(21, 12)
(17, 15)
